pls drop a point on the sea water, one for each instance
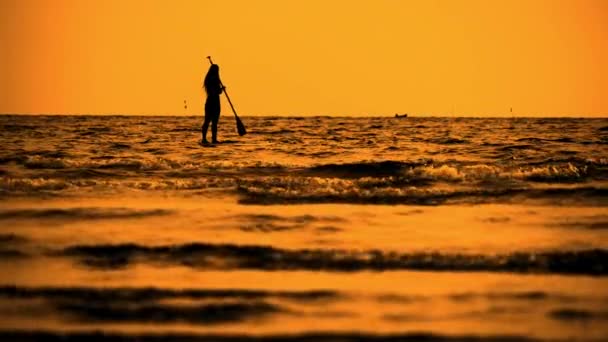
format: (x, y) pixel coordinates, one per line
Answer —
(320, 228)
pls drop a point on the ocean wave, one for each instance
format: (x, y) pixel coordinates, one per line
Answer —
(9, 158)
(570, 170)
(80, 213)
(275, 223)
(100, 129)
(11, 253)
(76, 175)
(127, 164)
(575, 314)
(10, 185)
(37, 335)
(574, 160)
(11, 246)
(136, 294)
(185, 129)
(135, 163)
(517, 296)
(553, 174)
(552, 169)
(231, 256)
(425, 186)
(448, 141)
(315, 190)
(18, 128)
(564, 140)
(508, 148)
(334, 190)
(361, 169)
(221, 306)
(540, 140)
(314, 296)
(146, 312)
(36, 162)
(531, 139)
(584, 222)
(159, 305)
(274, 132)
(120, 146)
(11, 238)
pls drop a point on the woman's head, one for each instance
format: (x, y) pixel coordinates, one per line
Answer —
(214, 68)
(212, 79)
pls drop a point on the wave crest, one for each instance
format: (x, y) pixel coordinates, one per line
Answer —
(231, 256)
(80, 213)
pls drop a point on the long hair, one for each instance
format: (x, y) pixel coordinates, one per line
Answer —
(212, 80)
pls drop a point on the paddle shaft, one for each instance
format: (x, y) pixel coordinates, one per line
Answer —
(228, 98)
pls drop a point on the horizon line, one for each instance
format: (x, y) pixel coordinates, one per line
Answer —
(602, 116)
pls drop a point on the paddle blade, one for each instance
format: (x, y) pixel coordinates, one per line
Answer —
(240, 127)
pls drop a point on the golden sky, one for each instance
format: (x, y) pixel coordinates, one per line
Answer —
(308, 57)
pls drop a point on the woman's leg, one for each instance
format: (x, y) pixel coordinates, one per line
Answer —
(212, 115)
(205, 127)
(214, 122)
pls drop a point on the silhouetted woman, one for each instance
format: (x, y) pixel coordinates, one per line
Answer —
(213, 87)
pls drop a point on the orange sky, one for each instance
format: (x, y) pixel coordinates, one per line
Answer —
(309, 57)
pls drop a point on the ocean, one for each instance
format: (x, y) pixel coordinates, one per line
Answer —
(307, 228)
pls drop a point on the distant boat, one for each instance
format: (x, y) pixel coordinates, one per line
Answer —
(401, 115)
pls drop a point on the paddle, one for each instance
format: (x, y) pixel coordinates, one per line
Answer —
(239, 125)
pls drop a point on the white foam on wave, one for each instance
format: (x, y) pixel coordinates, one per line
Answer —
(548, 173)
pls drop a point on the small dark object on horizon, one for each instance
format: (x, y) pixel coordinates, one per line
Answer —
(401, 115)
